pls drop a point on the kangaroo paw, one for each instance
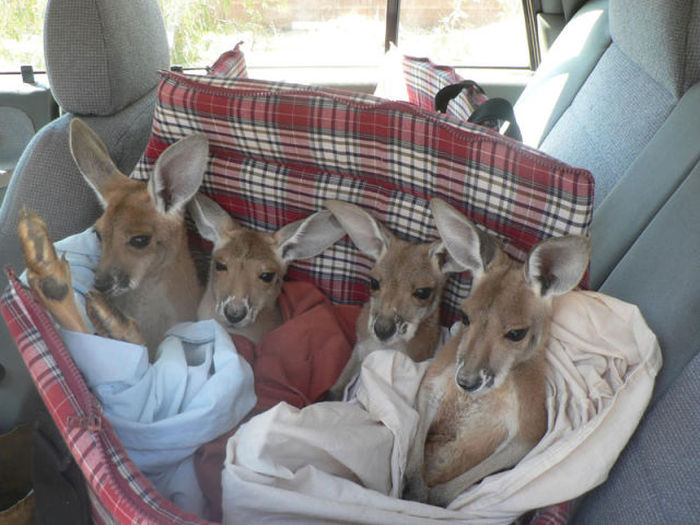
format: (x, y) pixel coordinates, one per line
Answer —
(48, 275)
(110, 321)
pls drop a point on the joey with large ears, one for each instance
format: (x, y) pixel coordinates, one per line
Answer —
(406, 284)
(506, 316)
(145, 267)
(248, 266)
(482, 400)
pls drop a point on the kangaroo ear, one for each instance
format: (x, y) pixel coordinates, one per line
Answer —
(93, 160)
(469, 247)
(368, 234)
(308, 237)
(178, 173)
(442, 258)
(212, 220)
(556, 266)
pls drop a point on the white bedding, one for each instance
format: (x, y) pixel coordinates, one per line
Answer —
(344, 462)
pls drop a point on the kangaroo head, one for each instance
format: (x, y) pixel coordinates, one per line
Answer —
(142, 226)
(406, 281)
(506, 317)
(248, 266)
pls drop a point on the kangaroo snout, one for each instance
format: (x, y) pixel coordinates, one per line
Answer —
(474, 380)
(235, 312)
(384, 327)
(113, 282)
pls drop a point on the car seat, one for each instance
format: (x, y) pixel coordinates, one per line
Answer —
(102, 58)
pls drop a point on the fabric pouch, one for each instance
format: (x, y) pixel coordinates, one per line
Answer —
(602, 360)
(434, 87)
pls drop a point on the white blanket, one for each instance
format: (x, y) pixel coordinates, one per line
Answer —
(344, 462)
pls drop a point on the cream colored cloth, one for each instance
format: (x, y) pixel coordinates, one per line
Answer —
(344, 462)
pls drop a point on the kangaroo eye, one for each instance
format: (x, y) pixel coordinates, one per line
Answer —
(465, 319)
(220, 267)
(373, 284)
(516, 335)
(422, 293)
(140, 241)
(267, 276)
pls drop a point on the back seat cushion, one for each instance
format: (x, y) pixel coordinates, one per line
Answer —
(662, 37)
(603, 120)
(563, 70)
(613, 116)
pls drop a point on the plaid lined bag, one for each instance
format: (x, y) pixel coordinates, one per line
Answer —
(277, 152)
(418, 79)
(117, 490)
(434, 87)
(231, 64)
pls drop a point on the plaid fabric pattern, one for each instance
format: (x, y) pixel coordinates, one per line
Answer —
(230, 64)
(123, 493)
(117, 491)
(424, 79)
(279, 150)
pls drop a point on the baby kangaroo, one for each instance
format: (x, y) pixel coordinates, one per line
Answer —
(406, 286)
(247, 267)
(145, 270)
(482, 400)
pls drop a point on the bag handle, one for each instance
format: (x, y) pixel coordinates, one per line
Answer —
(497, 109)
(493, 109)
(443, 97)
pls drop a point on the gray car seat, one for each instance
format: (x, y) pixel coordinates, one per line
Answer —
(619, 95)
(102, 58)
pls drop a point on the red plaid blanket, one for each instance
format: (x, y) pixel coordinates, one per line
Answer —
(279, 150)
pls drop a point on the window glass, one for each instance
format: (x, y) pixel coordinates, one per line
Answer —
(306, 33)
(482, 33)
(21, 28)
(277, 33)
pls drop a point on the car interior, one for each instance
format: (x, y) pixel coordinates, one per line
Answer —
(613, 88)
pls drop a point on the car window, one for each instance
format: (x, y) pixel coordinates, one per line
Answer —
(310, 35)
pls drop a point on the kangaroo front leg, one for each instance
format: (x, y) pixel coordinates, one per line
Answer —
(428, 405)
(110, 321)
(351, 368)
(48, 275)
(504, 457)
(415, 488)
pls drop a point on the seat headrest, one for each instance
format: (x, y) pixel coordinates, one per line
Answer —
(102, 55)
(661, 37)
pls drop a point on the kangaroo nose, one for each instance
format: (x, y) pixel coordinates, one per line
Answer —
(112, 281)
(235, 313)
(384, 328)
(103, 282)
(473, 381)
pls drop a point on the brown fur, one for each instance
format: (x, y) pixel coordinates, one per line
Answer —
(396, 316)
(163, 288)
(248, 266)
(246, 256)
(405, 268)
(146, 280)
(482, 400)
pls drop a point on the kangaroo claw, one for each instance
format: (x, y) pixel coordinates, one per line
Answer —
(110, 321)
(48, 275)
